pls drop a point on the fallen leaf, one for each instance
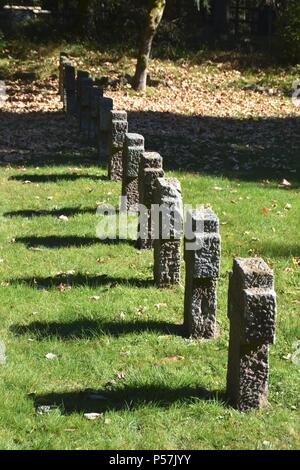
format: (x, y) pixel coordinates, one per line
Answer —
(63, 217)
(95, 297)
(121, 375)
(92, 416)
(140, 310)
(159, 306)
(63, 287)
(51, 356)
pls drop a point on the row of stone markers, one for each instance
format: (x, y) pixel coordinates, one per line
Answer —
(251, 298)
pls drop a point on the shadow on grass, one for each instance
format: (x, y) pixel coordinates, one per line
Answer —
(241, 149)
(55, 178)
(248, 149)
(129, 397)
(68, 211)
(53, 241)
(85, 329)
(81, 280)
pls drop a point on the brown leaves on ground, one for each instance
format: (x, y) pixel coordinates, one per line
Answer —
(32, 123)
(196, 117)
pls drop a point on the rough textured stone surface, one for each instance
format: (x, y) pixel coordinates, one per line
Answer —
(85, 111)
(202, 254)
(69, 88)
(105, 106)
(148, 187)
(167, 232)
(118, 130)
(81, 74)
(200, 306)
(166, 262)
(253, 299)
(252, 313)
(151, 168)
(205, 219)
(133, 150)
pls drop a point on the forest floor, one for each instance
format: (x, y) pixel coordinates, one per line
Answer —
(82, 325)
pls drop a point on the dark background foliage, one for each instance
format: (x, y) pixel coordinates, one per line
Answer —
(255, 24)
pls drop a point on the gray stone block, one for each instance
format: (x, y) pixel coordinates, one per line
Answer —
(95, 94)
(205, 257)
(85, 109)
(105, 106)
(167, 230)
(167, 258)
(202, 254)
(69, 88)
(150, 169)
(252, 315)
(148, 187)
(63, 57)
(201, 220)
(200, 305)
(133, 150)
(117, 131)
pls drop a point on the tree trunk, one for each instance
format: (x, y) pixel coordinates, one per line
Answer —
(154, 15)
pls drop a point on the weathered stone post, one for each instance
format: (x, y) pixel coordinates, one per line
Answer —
(85, 111)
(95, 94)
(81, 74)
(151, 168)
(167, 224)
(63, 57)
(252, 312)
(202, 252)
(69, 88)
(133, 150)
(105, 106)
(118, 130)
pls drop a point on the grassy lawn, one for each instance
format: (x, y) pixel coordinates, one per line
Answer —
(93, 305)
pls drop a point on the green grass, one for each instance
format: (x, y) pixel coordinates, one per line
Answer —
(159, 404)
